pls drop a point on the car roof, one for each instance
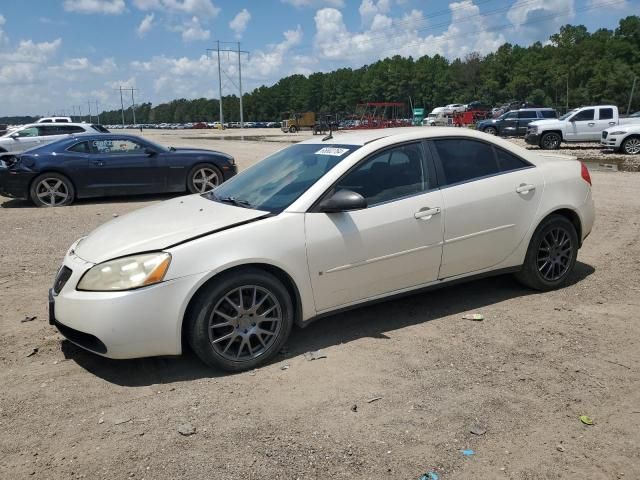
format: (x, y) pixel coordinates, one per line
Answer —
(364, 137)
(63, 124)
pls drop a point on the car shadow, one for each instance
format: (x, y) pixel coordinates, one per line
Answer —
(155, 197)
(370, 321)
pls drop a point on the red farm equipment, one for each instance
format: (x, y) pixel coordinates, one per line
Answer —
(470, 117)
(379, 115)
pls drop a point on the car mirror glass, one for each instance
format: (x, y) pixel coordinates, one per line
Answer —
(149, 151)
(343, 201)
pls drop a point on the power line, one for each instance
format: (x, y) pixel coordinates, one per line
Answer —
(239, 52)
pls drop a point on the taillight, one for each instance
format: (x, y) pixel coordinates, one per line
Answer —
(585, 173)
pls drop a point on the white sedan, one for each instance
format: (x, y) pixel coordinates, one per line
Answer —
(317, 227)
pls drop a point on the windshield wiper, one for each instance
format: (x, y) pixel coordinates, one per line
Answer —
(238, 202)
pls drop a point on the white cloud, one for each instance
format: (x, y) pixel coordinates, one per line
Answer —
(108, 7)
(147, 4)
(268, 63)
(370, 8)
(240, 22)
(145, 25)
(202, 8)
(3, 37)
(611, 4)
(193, 31)
(536, 19)
(315, 3)
(25, 63)
(387, 36)
(108, 65)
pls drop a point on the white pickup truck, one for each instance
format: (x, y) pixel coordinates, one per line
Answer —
(584, 124)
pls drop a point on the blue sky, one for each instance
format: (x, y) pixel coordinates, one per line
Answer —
(58, 54)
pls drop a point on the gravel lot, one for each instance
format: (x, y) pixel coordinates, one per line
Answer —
(524, 375)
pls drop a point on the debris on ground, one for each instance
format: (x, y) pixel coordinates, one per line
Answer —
(586, 420)
(478, 430)
(28, 319)
(374, 399)
(285, 367)
(354, 408)
(186, 429)
(122, 420)
(468, 452)
(32, 352)
(315, 355)
(430, 475)
(478, 317)
(114, 215)
(560, 448)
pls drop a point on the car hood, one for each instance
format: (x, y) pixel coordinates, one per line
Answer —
(160, 226)
(199, 150)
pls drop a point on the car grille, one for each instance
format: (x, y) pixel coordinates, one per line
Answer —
(61, 279)
(604, 134)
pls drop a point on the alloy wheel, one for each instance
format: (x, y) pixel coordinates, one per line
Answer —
(632, 146)
(52, 191)
(491, 131)
(554, 254)
(245, 323)
(550, 141)
(205, 179)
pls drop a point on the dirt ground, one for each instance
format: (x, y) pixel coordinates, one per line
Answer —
(402, 385)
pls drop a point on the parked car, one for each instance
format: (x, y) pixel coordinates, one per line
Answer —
(515, 122)
(624, 138)
(102, 165)
(455, 107)
(584, 124)
(319, 227)
(35, 134)
(55, 120)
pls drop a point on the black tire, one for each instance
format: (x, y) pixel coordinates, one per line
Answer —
(52, 190)
(195, 178)
(550, 141)
(293, 129)
(631, 145)
(538, 272)
(207, 309)
(491, 130)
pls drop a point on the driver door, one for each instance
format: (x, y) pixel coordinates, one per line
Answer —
(393, 244)
(23, 140)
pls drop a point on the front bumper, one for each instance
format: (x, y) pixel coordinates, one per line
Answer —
(611, 142)
(15, 184)
(532, 138)
(138, 323)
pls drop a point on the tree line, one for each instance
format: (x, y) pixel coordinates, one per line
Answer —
(594, 68)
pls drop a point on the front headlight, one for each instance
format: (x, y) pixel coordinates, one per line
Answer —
(619, 132)
(533, 129)
(126, 273)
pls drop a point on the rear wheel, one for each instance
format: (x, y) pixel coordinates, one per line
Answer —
(551, 255)
(631, 146)
(241, 320)
(491, 130)
(52, 190)
(550, 141)
(203, 177)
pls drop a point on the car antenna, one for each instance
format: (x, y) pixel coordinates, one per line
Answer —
(330, 136)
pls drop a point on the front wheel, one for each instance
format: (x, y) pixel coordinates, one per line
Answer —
(293, 129)
(631, 146)
(491, 130)
(550, 141)
(551, 255)
(241, 320)
(51, 190)
(203, 177)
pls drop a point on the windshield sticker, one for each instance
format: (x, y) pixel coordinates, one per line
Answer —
(333, 151)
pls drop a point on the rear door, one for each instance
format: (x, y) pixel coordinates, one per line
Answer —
(119, 166)
(604, 121)
(508, 126)
(490, 198)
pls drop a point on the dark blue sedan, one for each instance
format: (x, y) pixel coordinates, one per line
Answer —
(101, 165)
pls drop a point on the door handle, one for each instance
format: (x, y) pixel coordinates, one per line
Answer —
(591, 124)
(426, 213)
(524, 189)
(612, 123)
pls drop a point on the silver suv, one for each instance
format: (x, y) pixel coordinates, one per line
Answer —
(38, 134)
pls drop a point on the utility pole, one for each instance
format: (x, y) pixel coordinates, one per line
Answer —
(239, 53)
(133, 107)
(122, 106)
(633, 87)
(97, 111)
(567, 93)
(89, 104)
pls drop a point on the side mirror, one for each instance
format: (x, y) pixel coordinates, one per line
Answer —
(150, 151)
(15, 135)
(343, 201)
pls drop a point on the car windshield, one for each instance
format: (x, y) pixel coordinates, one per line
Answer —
(277, 181)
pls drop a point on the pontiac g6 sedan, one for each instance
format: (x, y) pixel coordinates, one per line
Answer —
(320, 226)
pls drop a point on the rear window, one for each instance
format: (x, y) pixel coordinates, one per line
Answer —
(527, 114)
(463, 160)
(82, 147)
(606, 113)
(549, 114)
(508, 161)
(100, 128)
(61, 120)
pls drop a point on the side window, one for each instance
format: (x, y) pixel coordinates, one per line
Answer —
(389, 175)
(508, 161)
(511, 115)
(527, 114)
(463, 160)
(606, 114)
(28, 132)
(82, 147)
(584, 115)
(549, 114)
(70, 129)
(46, 130)
(61, 120)
(118, 146)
